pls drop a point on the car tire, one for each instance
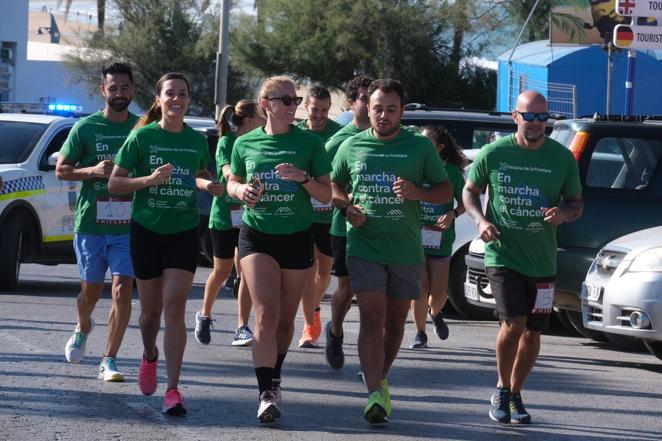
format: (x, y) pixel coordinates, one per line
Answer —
(560, 319)
(456, 277)
(625, 343)
(11, 244)
(654, 347)
(575, 319)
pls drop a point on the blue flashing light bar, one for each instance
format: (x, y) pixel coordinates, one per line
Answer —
(65, 108)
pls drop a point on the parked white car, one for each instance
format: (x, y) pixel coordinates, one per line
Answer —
(622, 293)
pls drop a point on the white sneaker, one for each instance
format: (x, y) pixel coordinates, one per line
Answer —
(74, 350)
(268, 411)
(108, 371)
(276, 390)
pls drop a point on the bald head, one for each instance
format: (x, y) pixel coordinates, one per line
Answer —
(530, 131)
(530, 98)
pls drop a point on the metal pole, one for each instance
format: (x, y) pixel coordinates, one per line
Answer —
(629, 82)
(528, 19)
(220, 97)
(610, 69)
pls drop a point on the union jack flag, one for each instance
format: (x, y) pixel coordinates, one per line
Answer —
(625, 7)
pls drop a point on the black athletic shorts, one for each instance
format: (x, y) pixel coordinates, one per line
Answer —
(339, 247)
(291, 251)
(224, 242)
(153, 252)
(515, 296)
(322, 238)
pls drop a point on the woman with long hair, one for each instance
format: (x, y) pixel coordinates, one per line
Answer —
(224, 223)
(274, 172)
(438, 236)
(164, 162)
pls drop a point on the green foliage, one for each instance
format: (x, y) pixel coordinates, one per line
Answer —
(159, 36)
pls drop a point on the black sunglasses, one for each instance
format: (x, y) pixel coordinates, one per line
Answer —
(287, 100)
(532, 116)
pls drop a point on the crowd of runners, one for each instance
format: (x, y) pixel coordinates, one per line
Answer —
(371, 202)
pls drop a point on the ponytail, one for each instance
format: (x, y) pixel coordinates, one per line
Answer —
(153, 114)
(224, 125)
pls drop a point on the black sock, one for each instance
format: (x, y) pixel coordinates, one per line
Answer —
(318, 309)
(264, 376)
(279, 364)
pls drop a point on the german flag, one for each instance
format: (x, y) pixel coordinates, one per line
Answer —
(624, 36)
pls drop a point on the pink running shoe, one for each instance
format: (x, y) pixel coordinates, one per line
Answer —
(147, 375)
(173, 403)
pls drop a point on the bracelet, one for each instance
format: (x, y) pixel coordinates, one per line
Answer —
(306, 178)
(455, 213)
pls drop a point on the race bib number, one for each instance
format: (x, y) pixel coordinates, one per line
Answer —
(318, 206)
(544, 298)
(113, 211)
(431, 237)
(236, 213)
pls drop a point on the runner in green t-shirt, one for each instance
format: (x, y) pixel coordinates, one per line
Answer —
(224, 223)
(534, 186)
(318, 103)
(386, 167)
(275, 170)
(357, 98)
(101, 233)
(438, 235)
(168, 164)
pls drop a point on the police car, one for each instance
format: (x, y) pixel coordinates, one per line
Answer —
(36, 210)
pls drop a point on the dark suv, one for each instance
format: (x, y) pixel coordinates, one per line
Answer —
(619, 164)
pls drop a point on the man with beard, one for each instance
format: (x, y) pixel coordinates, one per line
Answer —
(534, 186)
(386, 167)
(101, 229)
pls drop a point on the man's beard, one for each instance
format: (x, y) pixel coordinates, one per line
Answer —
(119, 104)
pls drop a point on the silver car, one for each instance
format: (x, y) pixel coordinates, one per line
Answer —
(622, 293)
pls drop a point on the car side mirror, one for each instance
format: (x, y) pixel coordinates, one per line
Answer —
(52, 161)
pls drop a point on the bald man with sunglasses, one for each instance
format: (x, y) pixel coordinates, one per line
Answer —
(533, 186)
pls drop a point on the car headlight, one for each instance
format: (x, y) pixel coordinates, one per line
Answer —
(649, 260)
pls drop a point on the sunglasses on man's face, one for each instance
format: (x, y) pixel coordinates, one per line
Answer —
(287, 100)
(532, 116)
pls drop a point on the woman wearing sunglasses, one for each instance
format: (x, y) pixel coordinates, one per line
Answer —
(167, 160)
(274, 172)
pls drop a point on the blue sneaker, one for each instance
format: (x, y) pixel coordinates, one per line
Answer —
(500, 411)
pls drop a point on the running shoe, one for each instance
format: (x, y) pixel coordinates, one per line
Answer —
(387, 397)
(518, 413)
(500, 411)
(276, 390)
(375, 410)
(317, 325)
(420, 341)
(202, 328)
(173, 403)
(333, 349)
(243, 336)
(74, 350)
(108, 371)
(147, 381)
(440, 327)
(267, 411)
(307, 339)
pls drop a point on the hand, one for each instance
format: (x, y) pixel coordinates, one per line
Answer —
(487, 231)
(215, 188)
(405, 189)
(251, 193)
(289, 172)
(446, 220)
(161, 174)
(554, 215)
(355, 215)
(103, 169)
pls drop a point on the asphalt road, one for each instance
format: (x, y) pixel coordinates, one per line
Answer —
(579, 389)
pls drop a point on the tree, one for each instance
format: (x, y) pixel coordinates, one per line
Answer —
(158, 36)
(101, 12)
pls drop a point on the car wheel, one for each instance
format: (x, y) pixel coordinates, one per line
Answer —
(560, 320)
(456, 278)
(11, 243)
(575, 319)
(654, 347)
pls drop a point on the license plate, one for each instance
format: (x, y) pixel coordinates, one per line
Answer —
(470, 291)
(593, 292)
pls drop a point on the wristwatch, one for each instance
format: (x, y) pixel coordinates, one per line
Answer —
(306, 178)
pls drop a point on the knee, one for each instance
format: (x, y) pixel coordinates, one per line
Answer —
(174, 312)
(122, 294)
(513, 329)
(266, 321)
(149, 320)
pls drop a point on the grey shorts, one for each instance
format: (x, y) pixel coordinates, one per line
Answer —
(399, 282)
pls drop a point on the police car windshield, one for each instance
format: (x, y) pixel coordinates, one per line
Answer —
(17, 139)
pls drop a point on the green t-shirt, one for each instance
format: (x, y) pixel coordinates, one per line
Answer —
(225, 210)
(440, 242)
(170, 207)
(392, 232)
(520, 183)
(285, 206)
(94, 139)
(338, 227)
(322, 212)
